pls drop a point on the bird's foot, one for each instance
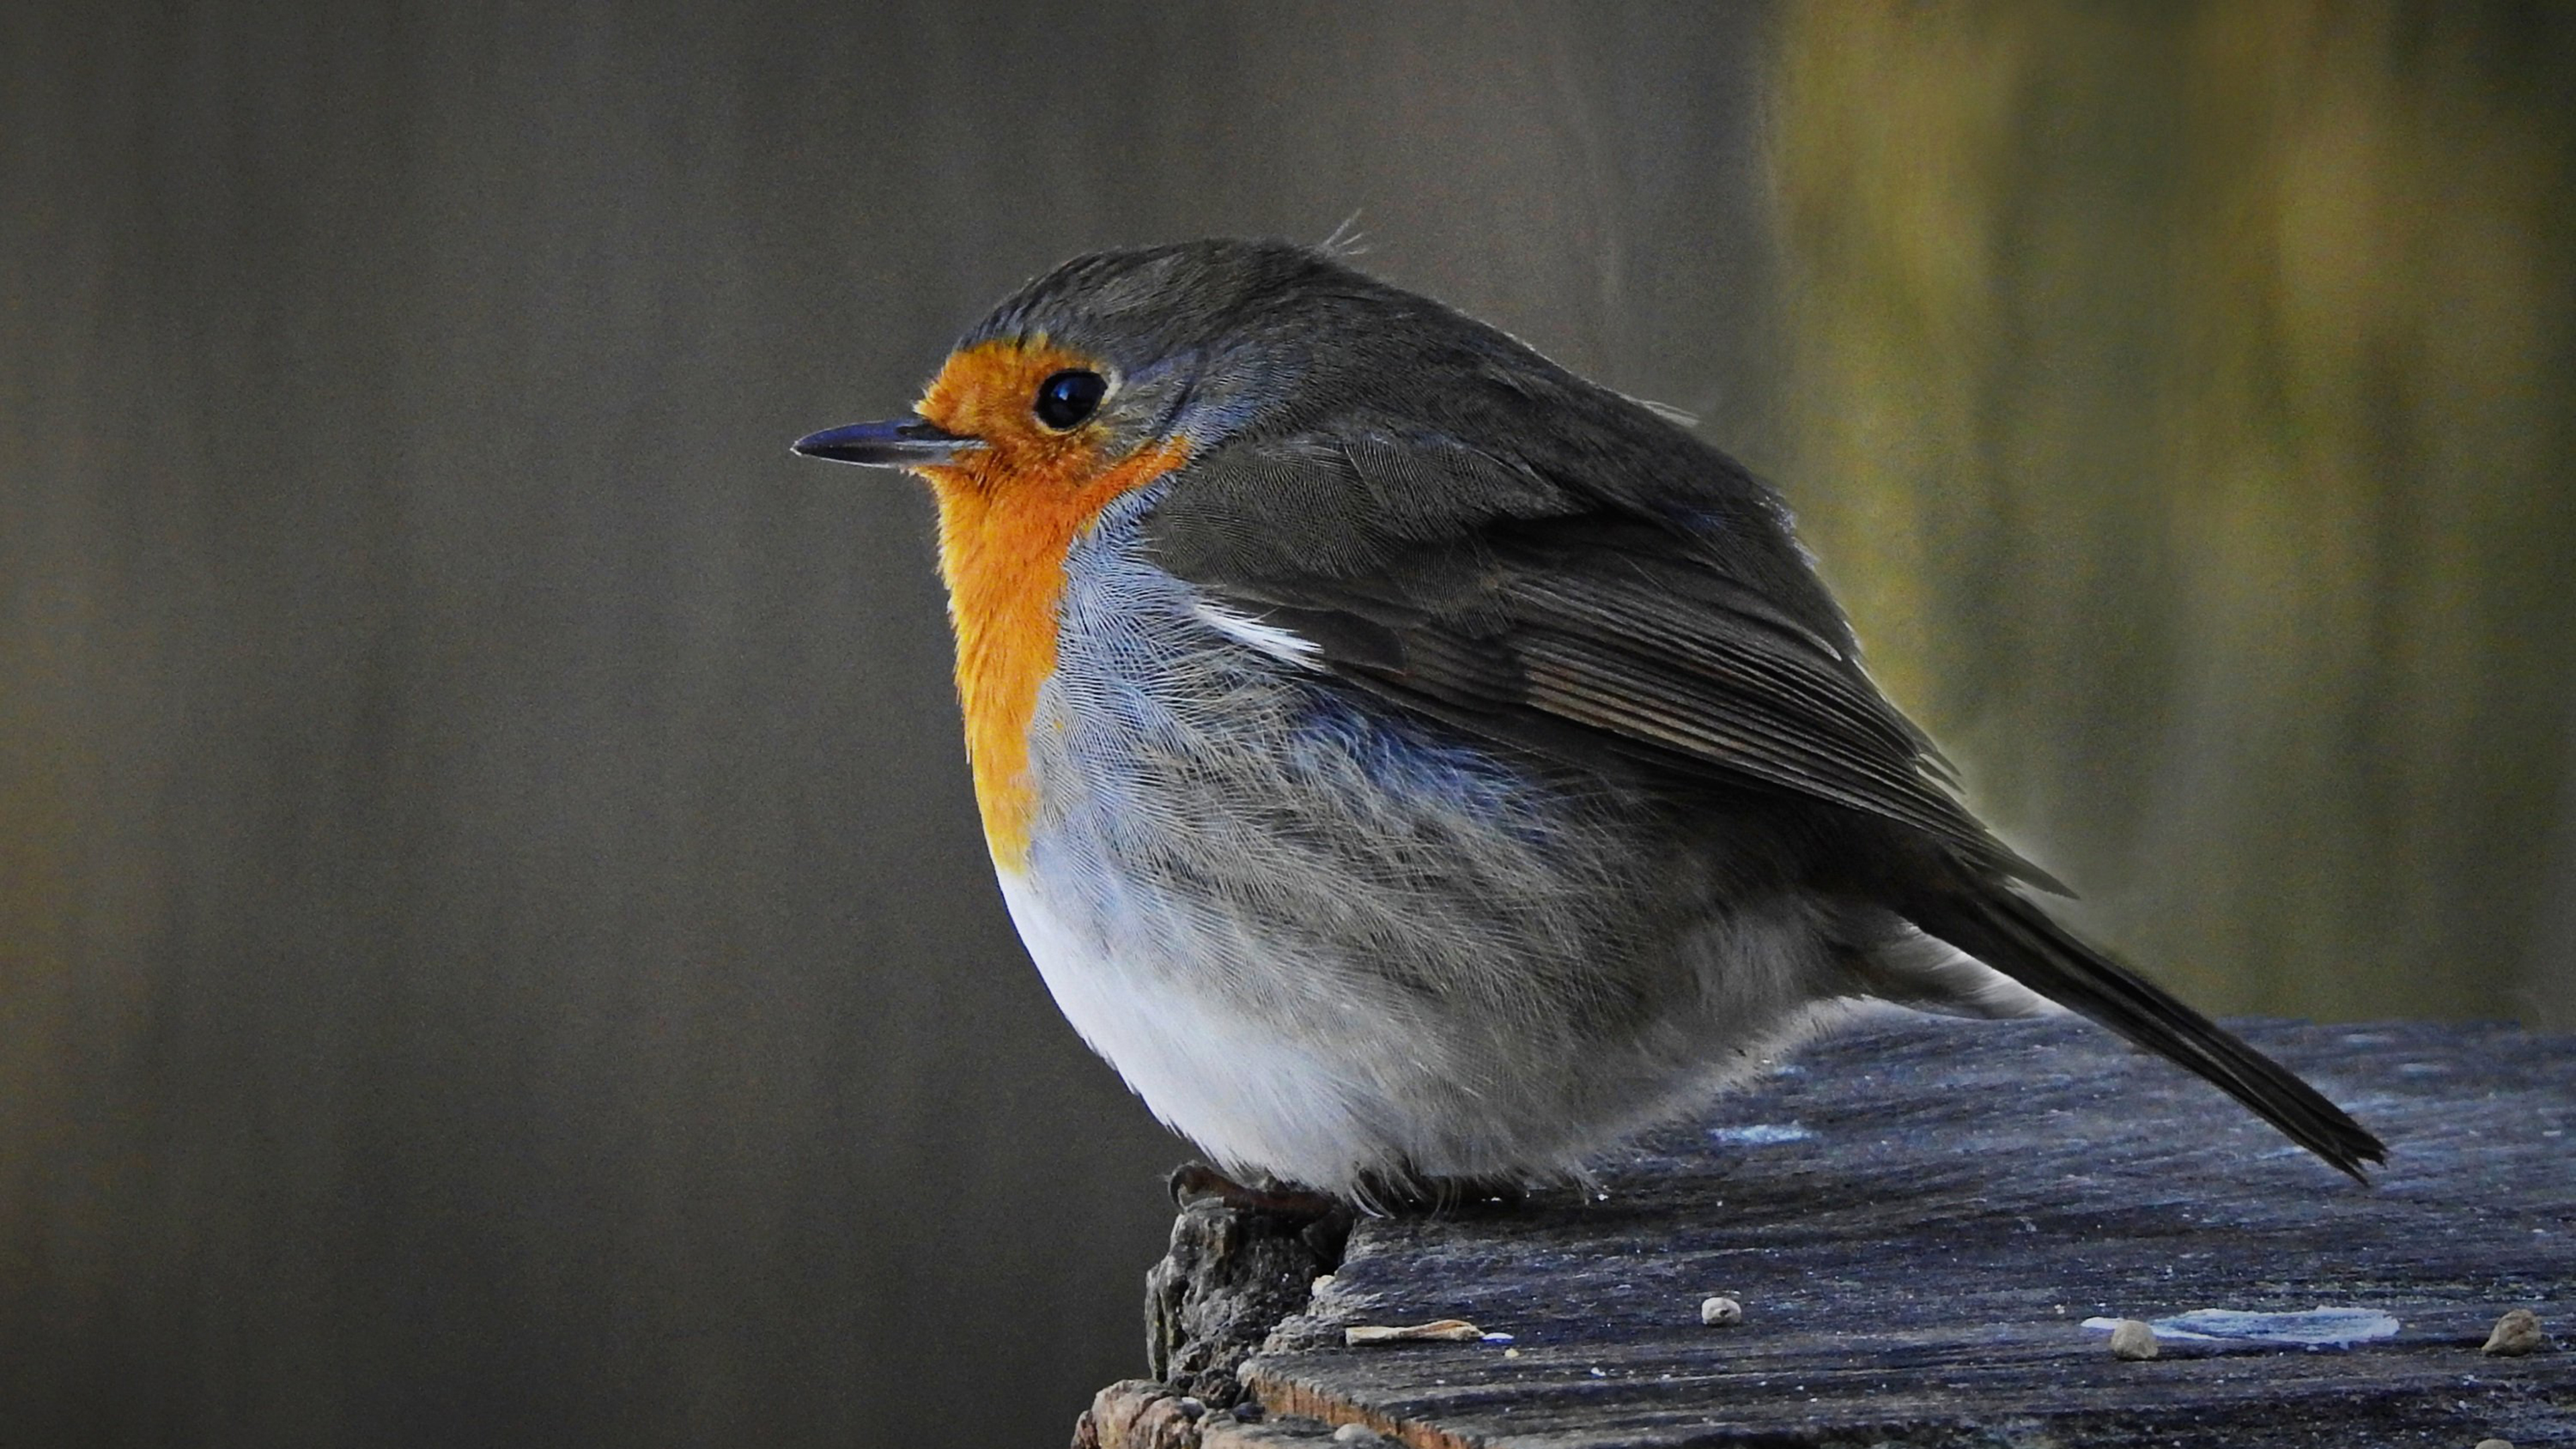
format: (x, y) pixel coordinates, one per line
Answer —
(1197, 1182)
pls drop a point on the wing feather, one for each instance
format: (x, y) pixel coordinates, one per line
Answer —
(1562, 615)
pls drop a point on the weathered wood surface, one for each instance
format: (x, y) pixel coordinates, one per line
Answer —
(1919, 1215)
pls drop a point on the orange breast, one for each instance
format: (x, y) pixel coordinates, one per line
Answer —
(1008, 514)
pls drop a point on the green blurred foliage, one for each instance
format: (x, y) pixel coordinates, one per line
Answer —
(2181, 399)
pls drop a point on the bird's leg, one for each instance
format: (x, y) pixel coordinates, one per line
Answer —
(1196, 1181)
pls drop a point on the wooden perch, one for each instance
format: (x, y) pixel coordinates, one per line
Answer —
(1919, 1219)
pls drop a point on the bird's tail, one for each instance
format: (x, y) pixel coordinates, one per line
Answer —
(2000, 928)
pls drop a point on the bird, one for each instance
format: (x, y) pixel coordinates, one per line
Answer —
(1418, 769)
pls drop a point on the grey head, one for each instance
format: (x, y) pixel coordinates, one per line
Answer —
(1222, 337)
(1199, 340)
(1194, 340)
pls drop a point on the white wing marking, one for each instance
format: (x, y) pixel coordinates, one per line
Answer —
(1269, 639)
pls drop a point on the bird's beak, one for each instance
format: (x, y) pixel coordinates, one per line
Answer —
(901, 443)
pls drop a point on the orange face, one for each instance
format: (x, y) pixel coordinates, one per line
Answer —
(1008, 513)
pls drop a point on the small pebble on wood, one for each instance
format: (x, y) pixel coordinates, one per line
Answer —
(1446, 1330)
(2133, 1340)
(1720, 1312)
(2495, 1444)
(1363, 1434)
(2516, 1334)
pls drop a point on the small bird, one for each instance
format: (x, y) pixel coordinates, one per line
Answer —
(1416, 768)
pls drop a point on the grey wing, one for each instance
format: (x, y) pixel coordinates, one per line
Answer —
(1643, 622)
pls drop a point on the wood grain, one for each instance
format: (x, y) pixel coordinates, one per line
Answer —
(1919, 1215)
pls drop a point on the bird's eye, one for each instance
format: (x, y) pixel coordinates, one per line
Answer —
(1068, 397)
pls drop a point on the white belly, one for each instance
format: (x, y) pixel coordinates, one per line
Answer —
(1358, 1089)
(1254, 1101)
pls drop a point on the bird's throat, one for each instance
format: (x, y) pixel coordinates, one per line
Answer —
(1003, 541)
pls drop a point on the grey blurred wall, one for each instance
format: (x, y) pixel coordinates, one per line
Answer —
(494, 942)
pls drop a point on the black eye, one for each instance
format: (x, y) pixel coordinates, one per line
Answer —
(1068, 397)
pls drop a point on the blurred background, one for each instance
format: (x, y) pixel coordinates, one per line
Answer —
(495, 946)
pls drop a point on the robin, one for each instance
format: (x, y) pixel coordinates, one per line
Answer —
(1413, 766)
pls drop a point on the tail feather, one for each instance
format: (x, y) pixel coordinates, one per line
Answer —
(2015, 937)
